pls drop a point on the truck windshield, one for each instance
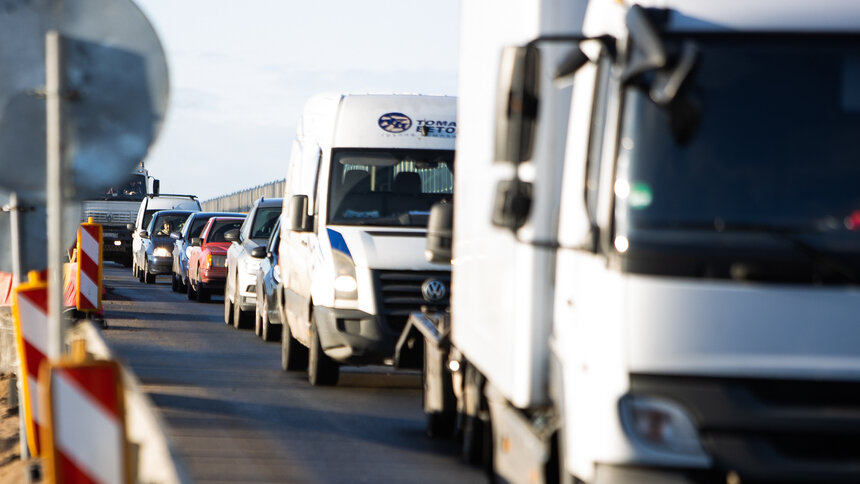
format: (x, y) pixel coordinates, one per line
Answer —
(133, 189)
(776, 151)
(388, 187)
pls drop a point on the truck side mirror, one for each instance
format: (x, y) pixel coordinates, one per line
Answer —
(258, 252)
(156, 186)
(300, 221)
(512, 204)
(440, 230)
(517, 103)
(231, 235)
(130, 227)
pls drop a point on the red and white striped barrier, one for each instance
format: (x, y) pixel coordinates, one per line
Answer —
(84, 434)
(89, 259)
(30, 308)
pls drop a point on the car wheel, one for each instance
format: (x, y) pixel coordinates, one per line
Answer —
(189, 290)
(241, 319)
(258, 320)
(203, 295)
(322, 370)
(133, 269)
(141, 274)
(147, 277)
(228, 307)
(270, 331)
(294, 356)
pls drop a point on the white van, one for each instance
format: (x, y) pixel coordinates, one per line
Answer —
(148, 206)
(364, 171)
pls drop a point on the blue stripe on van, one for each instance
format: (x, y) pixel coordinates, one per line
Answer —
(337, 242)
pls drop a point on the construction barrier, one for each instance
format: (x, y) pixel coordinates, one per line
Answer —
(83, 433)
(30, 311)
(89, 270)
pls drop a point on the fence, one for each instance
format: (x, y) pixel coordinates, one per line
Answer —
(242, 201)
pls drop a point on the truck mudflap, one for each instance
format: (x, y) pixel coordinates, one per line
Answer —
(422, 329)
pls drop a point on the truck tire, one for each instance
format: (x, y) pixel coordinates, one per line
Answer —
(322, 370)
(294, 356)
(228, 307)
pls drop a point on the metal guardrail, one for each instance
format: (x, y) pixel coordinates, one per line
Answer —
(242, 201)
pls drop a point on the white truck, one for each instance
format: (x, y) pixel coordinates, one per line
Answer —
(666, 289)
(363, 174)
(117, 208)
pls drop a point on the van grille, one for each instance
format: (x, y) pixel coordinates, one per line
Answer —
(399, 293)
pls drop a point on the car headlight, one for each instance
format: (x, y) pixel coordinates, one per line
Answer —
(345, 285)
(250, 264)
(161, 252)
(660, 424)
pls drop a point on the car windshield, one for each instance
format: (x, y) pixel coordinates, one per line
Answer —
(133, 189)
(264, 222)
(393, 187)
(197, 226)
(164, 224)
(776, 144)
(220, 227)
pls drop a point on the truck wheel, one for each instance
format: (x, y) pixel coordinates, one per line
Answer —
(270, 332)
(228, 307)
(294, 356)
(442, 423)
(322, 370)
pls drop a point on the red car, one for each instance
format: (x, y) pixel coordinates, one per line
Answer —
(207, 260)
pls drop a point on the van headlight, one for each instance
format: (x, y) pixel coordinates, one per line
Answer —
(660, 424)
(250, 264)
(345, 285)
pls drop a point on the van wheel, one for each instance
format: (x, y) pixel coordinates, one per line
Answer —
(294, 356)
(322, 370)
(228, 307)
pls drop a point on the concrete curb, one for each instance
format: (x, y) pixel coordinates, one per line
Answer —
(158, 461)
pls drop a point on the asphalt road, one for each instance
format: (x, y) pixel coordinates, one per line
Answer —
(236, 417)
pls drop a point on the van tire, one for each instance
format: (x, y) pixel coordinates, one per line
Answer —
(322, 370)
(228, 307)
(269, 331)
(294, 356)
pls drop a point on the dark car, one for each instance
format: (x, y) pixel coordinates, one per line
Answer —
(156, 250)
(207, 259)
(267, 320)
(182, 245)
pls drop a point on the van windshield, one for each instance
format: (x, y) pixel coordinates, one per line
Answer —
(388, 187)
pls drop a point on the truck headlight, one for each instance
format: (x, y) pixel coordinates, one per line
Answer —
(161, 252)
(345, 285)
(660, 424)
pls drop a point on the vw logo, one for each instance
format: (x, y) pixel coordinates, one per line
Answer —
(433, 290)
(109, 218)
(395, 122)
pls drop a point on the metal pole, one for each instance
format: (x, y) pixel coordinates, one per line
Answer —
(17, 277)
(55, 194)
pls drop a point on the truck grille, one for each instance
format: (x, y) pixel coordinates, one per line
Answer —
(108, 218)
(771, 430)
(399, 293)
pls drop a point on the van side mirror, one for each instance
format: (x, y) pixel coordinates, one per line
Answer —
(231, 235)
(143, 234)
(512, 204)
(440, 233)
(517, 103)
(300, 221)
(156, 186)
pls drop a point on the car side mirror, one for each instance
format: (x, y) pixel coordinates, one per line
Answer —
(440, 230)
(231, 235)
(258, 252)
(300, 221)
(175, 235)
(196, 241)
(143, 234)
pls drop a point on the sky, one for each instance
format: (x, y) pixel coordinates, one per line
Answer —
(240, 73)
